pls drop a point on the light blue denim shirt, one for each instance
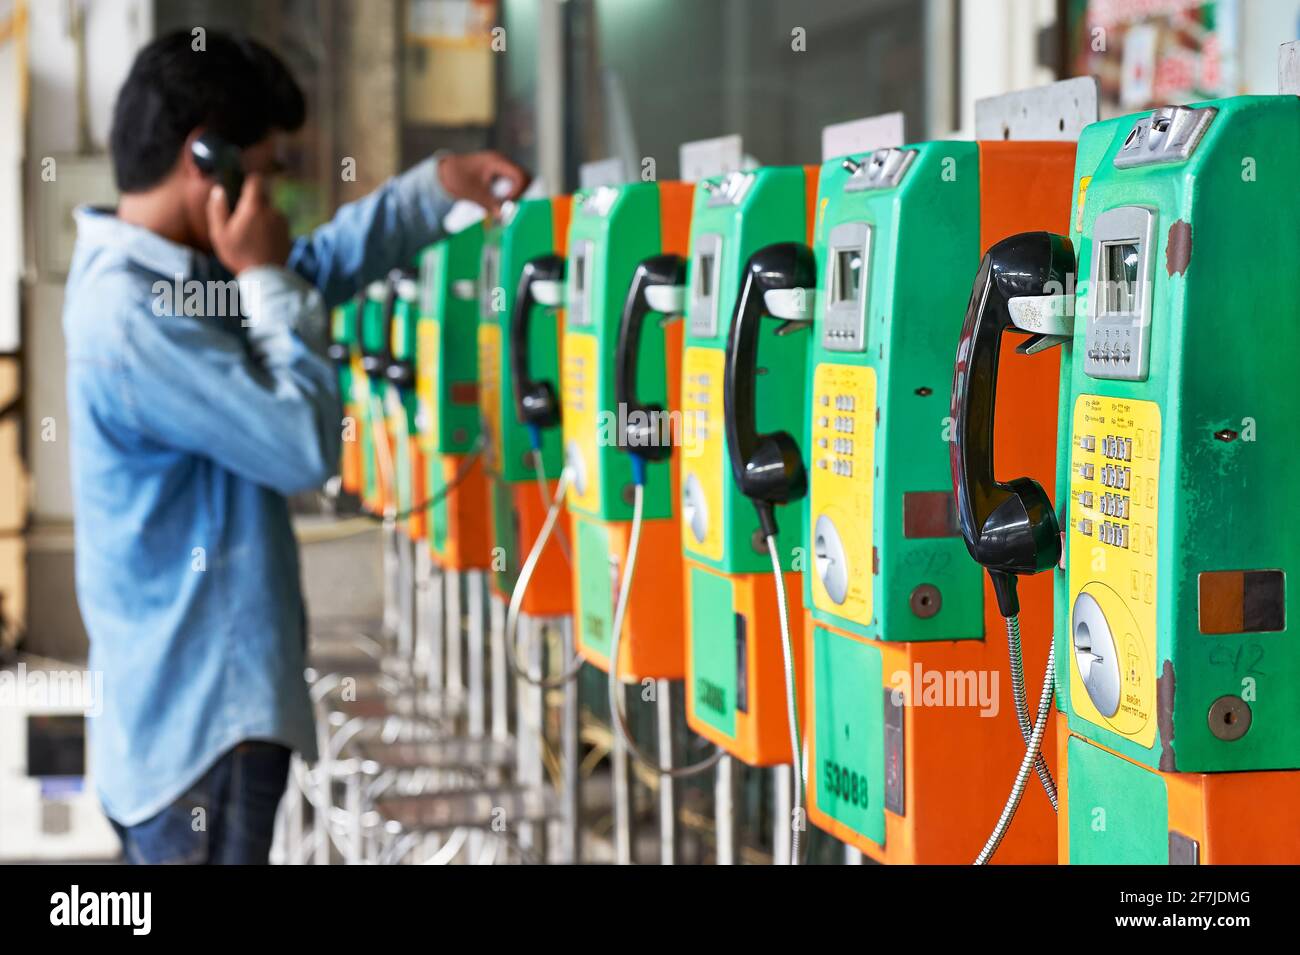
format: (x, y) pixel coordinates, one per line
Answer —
(188, 428)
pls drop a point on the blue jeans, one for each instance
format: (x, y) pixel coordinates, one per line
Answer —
(226, 818)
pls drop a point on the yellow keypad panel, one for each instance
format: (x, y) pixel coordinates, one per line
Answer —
(428, 340)
(489, 391)
(579, 386)
(1112, 563)
(842, 485)
(703, 452)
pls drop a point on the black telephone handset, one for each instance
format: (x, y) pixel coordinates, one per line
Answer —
(340, 352)
(399, 372)
(1009, 527)
(536, 403)
(221, 161)
(646, 430)
(375, 362)
(767, 467)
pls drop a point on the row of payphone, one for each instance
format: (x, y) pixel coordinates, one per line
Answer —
(785, 397)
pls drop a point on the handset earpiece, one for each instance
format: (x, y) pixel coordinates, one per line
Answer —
(221, 161)
(1009, 527)
(657, 286)
(778, 280)
(536, 402)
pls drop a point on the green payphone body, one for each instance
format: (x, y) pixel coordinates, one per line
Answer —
(447, 392)
(1175, 673)
(345, 345)
(736, 687)
(906, 652)
(368, 382)
(1177, 425)
(887, 567)
(402, 406)
(527, 230)
(613, 230)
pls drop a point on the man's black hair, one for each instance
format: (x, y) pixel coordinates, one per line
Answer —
(230, 85)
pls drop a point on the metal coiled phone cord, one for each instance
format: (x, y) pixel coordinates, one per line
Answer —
(1016, 653)
(1032, 752)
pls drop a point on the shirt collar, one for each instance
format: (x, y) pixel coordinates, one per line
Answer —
(97, 226)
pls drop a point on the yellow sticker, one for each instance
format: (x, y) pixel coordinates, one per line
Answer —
(1114, 483)
(703, 451)
(428, 341)
(842, 489)
(1083, 192)
(489, 391)
(579, 385)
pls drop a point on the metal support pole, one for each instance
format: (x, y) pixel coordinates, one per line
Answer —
(620, 779)
(436, 672)
(500, 672)
(406, 596)
(537, 715)
(353, 802)
(477, 656)
(294, 816)
(320, 812)
(388, 538)
(571, 798)
(724, 809)
(477, 665)
(852, 856)
(550, 94)
(532, 770)
(454, 638)
(668, 789)
(423, 581)
(782, 813)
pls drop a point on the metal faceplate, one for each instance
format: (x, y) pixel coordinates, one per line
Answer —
(1057, 112)
(1096, 653)
(577, 465)
(598, 201)
(1183, 850)
(1288, 68)
(844, 324)
(895, 753)
(1170, 134)
(705, 279)
(1117, 341)
(730, 190)
(695, 507)
(581, 268)
(831, 560)
(884, 170)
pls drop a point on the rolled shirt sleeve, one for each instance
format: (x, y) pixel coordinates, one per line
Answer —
(264, 404)
(367, 238)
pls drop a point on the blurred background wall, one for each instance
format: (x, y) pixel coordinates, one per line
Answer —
(554, 83)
